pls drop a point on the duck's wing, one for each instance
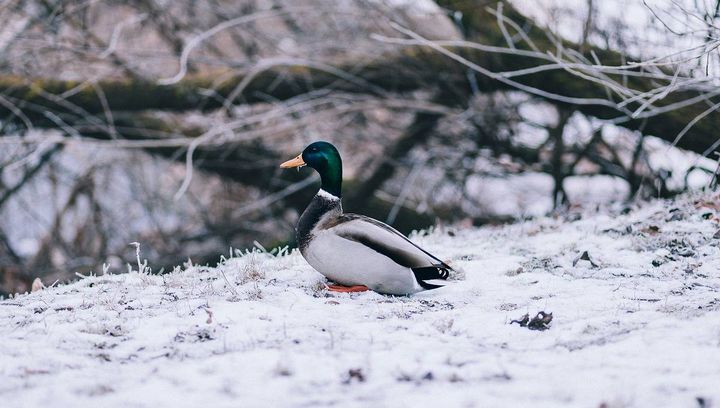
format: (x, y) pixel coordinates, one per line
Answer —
(389, 242)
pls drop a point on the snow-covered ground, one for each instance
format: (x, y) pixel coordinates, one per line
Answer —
(637, 326)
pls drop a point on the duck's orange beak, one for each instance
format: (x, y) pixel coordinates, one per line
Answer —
(296, 162)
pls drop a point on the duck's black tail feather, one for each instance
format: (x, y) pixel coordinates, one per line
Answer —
(430, 273)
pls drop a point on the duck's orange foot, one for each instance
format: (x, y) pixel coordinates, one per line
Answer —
(347, 289)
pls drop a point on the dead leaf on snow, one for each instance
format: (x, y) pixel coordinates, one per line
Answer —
(541, 321)
(354, 374)
(714, 205)
(651, 230)
(585, 256)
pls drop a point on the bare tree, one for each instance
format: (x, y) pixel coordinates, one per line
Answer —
(179, 112)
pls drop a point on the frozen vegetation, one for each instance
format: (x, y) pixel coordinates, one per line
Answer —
(634, 295)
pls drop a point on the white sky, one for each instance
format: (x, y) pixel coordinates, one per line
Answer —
(643, 28)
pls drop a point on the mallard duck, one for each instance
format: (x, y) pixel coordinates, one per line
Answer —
(357, 252)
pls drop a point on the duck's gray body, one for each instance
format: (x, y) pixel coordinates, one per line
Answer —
(351, 249)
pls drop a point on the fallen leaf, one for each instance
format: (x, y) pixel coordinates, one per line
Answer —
(539, 322)
(651, 229)
(354, 374)
(585, 256)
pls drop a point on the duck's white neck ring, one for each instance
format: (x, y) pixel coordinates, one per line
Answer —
(324, 194)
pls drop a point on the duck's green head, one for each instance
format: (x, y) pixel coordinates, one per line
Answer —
(325, 159)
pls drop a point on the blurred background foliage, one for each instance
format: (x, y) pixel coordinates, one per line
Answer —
(163, 122)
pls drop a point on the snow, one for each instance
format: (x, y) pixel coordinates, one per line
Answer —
(530, 194)
(640, 329)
